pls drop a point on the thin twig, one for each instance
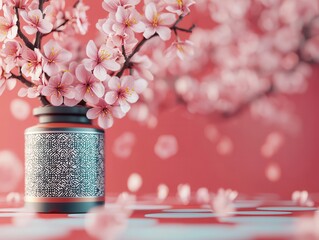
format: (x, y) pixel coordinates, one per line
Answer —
(20, 33)
(184, 29)
(57, 28)
(180, 18)
(124, 52)
(126, 64)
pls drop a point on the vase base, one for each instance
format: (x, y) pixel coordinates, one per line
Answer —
(70, 207)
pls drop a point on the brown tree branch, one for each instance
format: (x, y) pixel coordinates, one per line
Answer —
(20, 33)
(27, 83)
(22, 80)
(127, 64)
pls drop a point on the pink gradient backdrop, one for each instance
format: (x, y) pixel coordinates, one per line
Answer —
(197, 161)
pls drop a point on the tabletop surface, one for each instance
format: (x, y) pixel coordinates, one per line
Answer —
(256, 218)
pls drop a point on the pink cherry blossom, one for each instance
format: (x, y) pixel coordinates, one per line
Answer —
(11, 171)
(134, 182)
(122, 91)
(180, 7)
(273, 172)
(157, 22)
(55, 12)
(12, 50)
(273, 143)
(100, 60)
(128, 41)
(89, 87)
(32, 92)
(123, 145)
(203, 196)
(307, 227)
(8, 27)
(5, 81)
(22, 4)
(141, 66)
(104, 114)
(14, 199)
(34, 5)
(20, 109)
(162, 192)
(166, 146)
(59, 87)
(127, 21)
(53, 57)
(80, 16)
(184, 193)
(225, 146)
(302, 198)
(33, 65)
(182, 49)
(112, 5)
(223, 202)
(160, 4)
(108, 222)
(36, 22)
(211, 132)
(223, 11)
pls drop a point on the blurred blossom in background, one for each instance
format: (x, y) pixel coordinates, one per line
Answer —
(240, 111)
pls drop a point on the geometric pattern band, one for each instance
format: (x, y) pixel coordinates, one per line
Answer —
(64, 164)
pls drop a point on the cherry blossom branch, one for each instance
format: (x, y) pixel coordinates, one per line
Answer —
(180, 18)
(38, 39)
(22, 80)
(128, 58)
(44, 100)
(127, 64)
(41, 2)
(175, 27)
(56, 29)
(190, 30)
(20, 33)
(124, 52)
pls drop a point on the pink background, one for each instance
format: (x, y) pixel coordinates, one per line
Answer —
(197, 161)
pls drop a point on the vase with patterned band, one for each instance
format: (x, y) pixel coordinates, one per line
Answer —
(64, 168)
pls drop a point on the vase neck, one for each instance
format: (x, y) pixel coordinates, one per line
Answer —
(62, 114)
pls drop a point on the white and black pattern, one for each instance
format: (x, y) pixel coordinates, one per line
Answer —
(64, 164)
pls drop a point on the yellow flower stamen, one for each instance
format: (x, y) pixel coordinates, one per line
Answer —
(52, 55)
(130, 22)
(127, 90)
(180, 48)
(104, 55)
(35, 19)
(180, 3)
(156, 20)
